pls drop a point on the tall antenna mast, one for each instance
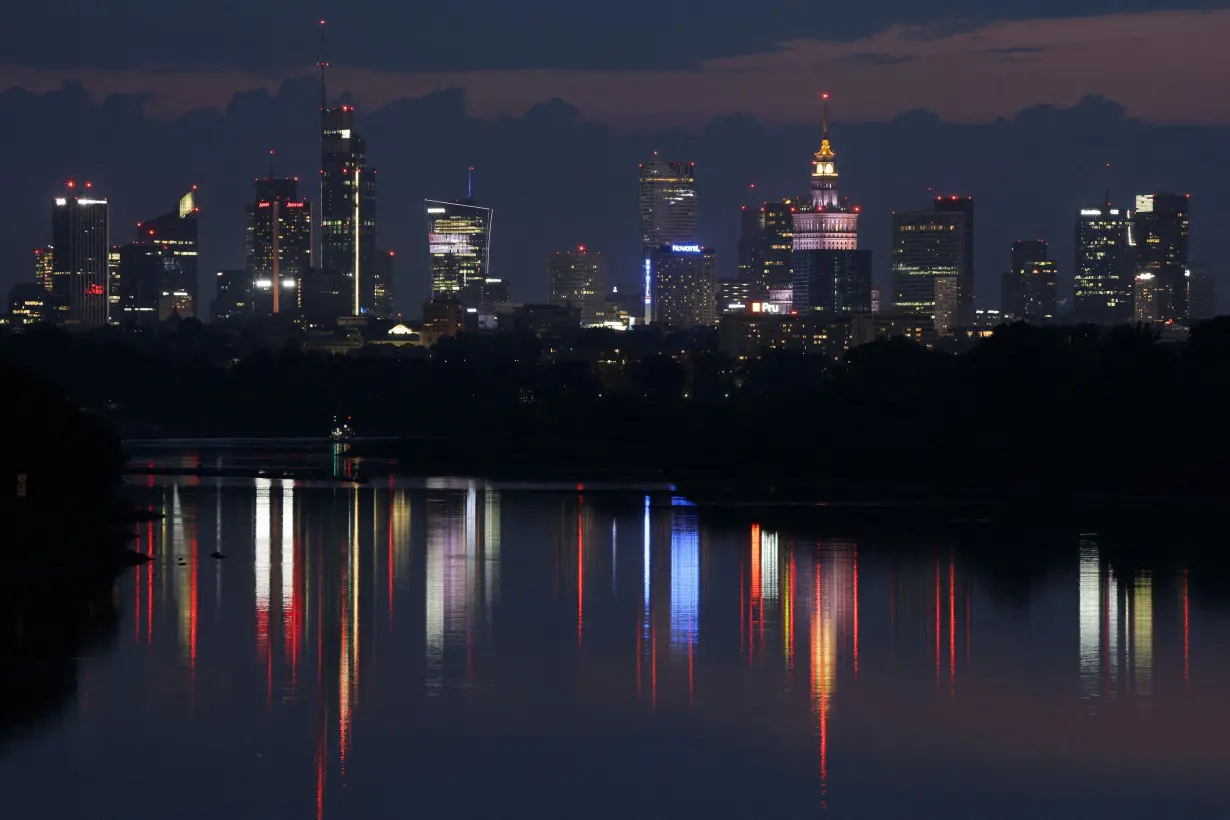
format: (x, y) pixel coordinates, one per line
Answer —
(272, 153)
(470, 183)
(322, 64)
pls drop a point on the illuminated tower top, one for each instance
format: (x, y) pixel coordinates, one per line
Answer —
(824, 169)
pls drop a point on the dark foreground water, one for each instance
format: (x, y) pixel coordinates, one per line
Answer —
(455, 650)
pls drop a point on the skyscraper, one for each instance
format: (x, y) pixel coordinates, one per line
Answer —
(828, 273)
(44, 266)
(1034, 282)
(459, 244)
(832, 281)
(927, 245)
(828, 223)
(668, 203)
(683, 277)
(777, 244)
(1104, 269)
(382, 284)
(750, 254)
(963, 205)
(1201, 294)
(279, 239)
(173, 236)
(232, 295)
(347, 199)
(1160, 229)
(577, 279)
(81, 239)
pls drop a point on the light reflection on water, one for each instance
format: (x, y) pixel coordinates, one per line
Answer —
(475, 645)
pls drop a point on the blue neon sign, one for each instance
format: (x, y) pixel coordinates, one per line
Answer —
(685, 248)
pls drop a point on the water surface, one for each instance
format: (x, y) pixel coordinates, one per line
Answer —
(449, 649)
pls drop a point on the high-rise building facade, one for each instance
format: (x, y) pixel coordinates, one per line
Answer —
(140, 275)
(751, 237)
(683, 277)
(279, 245)
(832, 281)
(44, 266)
(963, 205)
(777, 244)
(927, 245)
(459, 245)
(668, 203)
(1201, 294)
(577, 279)
(232, 295)
(81, 242)
(1104, 268)
(828, 223)
(30, 304)
(347, 206)
(1160, 229)
(734, 295)
(382, 304)
(1033, 281)
(158, 279)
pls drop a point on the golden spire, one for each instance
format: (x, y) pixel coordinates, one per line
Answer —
(826, 153)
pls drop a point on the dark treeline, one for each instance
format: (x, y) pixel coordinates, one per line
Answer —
(1030, 413)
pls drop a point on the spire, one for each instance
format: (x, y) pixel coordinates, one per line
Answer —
(470, 183)
(822, 163)
(322, 64)
(272, 154)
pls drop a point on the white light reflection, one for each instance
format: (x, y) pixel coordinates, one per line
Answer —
(1090, 618)
(262, 566)
(288, 551)
(685, 577)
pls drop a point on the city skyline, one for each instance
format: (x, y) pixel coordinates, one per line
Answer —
(715, 181)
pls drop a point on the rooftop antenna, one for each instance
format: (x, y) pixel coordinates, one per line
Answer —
(470, 183)
(824, 95)
(272, 154)
(322, 64)
(1108, 186)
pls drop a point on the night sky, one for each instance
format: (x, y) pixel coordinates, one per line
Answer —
(555, 104)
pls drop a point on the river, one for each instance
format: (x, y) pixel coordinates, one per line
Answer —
(450, 648)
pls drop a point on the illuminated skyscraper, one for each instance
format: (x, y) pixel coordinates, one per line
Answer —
(459, 242)
(168, 274)
(668, 203)
(1031, 286)
(279, 238)
(927, 245)
(577, 279)
(44, 266)
(832, 281)
(1104, 269)
(777, 244)
(828, 222)
(683, 278)
(963, 205)
(751, 266)
(81, 241)
(1160, 229)
(347, 200)
(382, 285)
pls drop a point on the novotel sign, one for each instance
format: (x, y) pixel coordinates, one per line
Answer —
(685, 248)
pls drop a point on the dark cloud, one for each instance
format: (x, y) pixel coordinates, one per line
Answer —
(556, 180)
(275, 35)
(1014, 50)
(871, 58)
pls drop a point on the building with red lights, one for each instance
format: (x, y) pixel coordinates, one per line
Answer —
(81, 242)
